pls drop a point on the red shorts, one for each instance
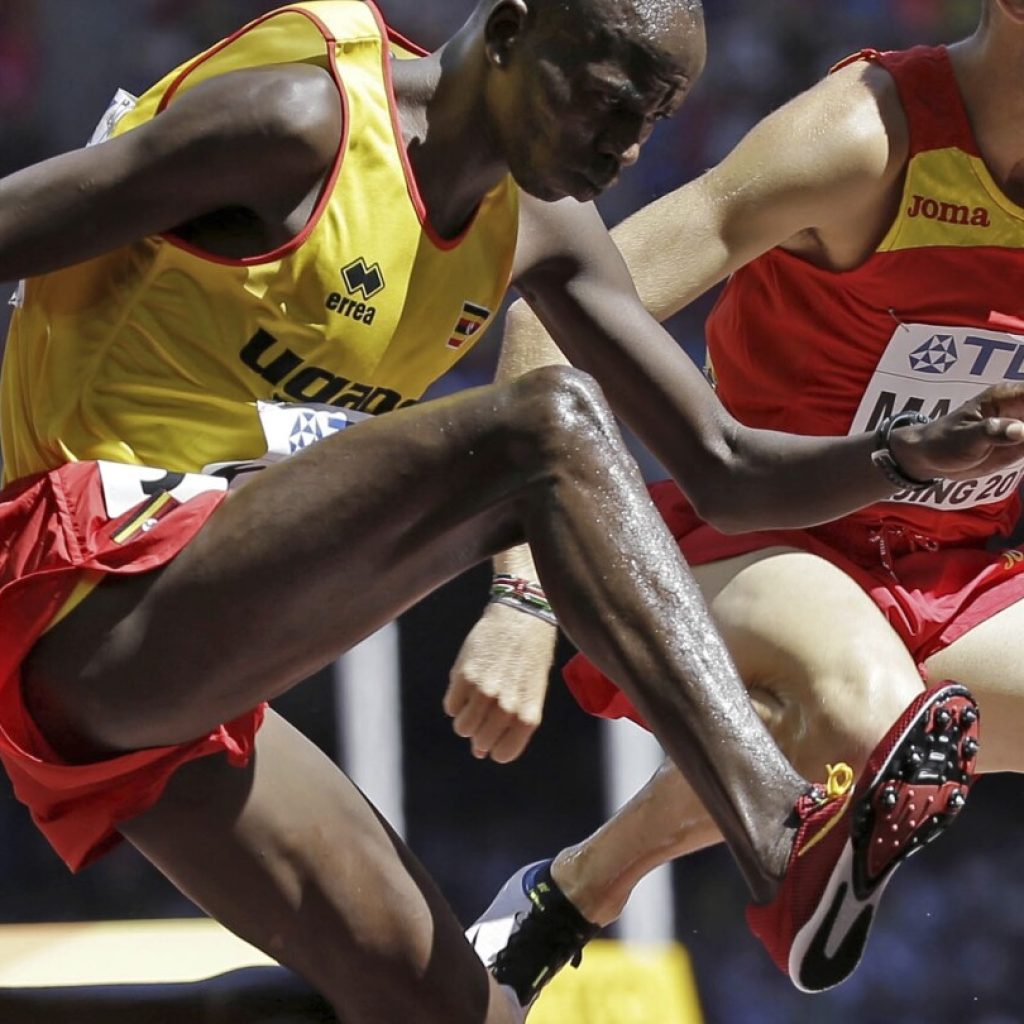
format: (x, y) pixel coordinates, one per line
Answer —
(106, 518)
(931, 595)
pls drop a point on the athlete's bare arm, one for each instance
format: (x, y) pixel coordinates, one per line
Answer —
(190, 162)
(738, 478)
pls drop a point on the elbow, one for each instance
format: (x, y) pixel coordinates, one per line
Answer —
(719, 490)
(720, 506)
(715, 492)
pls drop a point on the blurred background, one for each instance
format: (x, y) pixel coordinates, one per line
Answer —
(945, 946)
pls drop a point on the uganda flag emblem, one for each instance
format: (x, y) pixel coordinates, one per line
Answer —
(471, 321)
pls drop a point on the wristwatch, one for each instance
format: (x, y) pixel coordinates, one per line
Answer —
(883, 458)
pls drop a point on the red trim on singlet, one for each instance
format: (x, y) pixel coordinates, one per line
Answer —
(396, 37)
(328, 186)
(415, 198)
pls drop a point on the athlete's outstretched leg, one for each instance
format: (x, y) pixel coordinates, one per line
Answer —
(826, 673)
(317, 552)
(289, 855)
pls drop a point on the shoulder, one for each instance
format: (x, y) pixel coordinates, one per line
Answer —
(863, 102)
(295, 106)
(288, 116)
(559, 241)
(842, 142)
(848, 124)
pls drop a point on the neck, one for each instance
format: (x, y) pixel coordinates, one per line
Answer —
(442, 116)
(989, 68)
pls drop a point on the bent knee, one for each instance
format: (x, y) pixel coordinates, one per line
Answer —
(563, 399)
(836, 716)
(561, 412)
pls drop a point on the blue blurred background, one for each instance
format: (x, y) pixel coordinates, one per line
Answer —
(946, 945)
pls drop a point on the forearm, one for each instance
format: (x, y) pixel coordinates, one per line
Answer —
(525, 346)
(738, 478)
(782, 481)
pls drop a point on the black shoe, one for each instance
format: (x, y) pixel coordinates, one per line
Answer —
(530, 932)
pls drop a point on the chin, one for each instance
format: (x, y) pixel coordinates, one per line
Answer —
(545, 191)
(535, 179)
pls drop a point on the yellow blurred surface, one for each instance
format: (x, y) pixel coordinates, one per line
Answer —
(618, 984)
(113, 952)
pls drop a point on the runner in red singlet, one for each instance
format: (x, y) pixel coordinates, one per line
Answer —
(874, 231)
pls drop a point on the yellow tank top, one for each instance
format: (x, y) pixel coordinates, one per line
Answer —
(160, 355)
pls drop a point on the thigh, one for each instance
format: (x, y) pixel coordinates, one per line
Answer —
(291, 570)
(824, 667)
(289, 855)
(988, 659)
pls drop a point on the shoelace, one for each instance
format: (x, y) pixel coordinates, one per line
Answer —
(840, 779)
(837, 785)
(544, 932)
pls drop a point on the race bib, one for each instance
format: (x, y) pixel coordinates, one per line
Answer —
(126, 486)
(932, 369)
(122, 102)
(288, 429)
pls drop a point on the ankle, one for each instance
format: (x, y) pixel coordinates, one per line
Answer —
(774, 860)
(583, 890)
(773, 850)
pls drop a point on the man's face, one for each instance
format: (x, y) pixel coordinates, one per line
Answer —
(576, 109)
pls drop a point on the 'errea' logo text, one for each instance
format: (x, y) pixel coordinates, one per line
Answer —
(364, 280)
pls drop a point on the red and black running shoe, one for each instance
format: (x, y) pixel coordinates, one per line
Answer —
(850, 840)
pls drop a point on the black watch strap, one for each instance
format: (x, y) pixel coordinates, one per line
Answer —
(883, 458)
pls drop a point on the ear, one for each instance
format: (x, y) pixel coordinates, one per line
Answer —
(1012, 9)
(504, 29)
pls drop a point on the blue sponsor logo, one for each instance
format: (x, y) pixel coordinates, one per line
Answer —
(938, 355)
(310, 426)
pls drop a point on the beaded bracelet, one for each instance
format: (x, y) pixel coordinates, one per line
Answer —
(522, 594)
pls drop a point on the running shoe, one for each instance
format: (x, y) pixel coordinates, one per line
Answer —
(849, 840)
(530, 932)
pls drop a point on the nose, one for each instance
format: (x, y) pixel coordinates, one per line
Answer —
(623, 146)
(630, 156)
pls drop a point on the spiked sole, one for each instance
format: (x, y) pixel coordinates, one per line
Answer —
(911, 800)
